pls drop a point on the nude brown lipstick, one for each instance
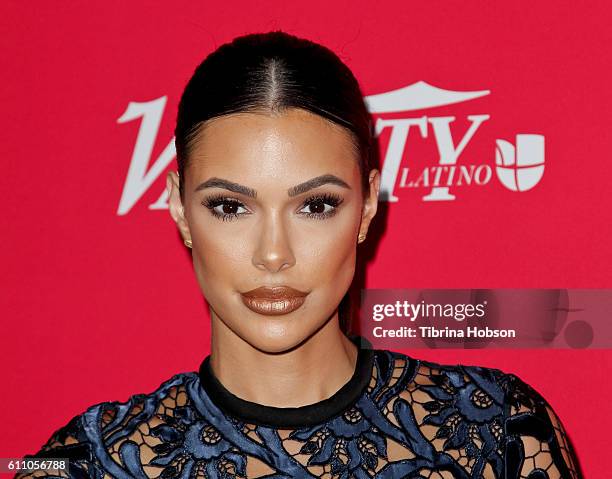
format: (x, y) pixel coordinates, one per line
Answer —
(273, 301)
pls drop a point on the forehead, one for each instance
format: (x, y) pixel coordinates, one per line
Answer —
(284, 147)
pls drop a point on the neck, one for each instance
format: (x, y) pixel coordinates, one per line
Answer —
(308, 373)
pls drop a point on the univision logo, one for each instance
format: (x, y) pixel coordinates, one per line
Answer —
(518, 167)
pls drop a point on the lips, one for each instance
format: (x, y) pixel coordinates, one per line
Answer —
(273, 301)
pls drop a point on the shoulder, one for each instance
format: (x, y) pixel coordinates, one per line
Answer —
(447, 377)
(483, 414)
(94, 439)
(507, 390)
(473, 391)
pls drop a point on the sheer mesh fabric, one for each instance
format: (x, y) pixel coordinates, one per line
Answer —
(415, 419)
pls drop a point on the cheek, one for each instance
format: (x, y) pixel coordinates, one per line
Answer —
(219, 258)
(330, 252)
(329, 257)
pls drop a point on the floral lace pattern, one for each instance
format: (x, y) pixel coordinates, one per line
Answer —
(415, 419)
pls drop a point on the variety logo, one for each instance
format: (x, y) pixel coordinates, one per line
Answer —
(518, 167)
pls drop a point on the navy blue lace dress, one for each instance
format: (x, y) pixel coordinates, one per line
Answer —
(397, 417)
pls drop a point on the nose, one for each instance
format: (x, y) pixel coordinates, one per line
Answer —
(273, 252)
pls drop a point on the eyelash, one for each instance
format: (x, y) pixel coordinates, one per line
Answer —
(327, 198)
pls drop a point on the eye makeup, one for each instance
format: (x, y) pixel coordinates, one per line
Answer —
(229, 207)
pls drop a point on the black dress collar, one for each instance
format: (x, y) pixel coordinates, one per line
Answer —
(291, 417)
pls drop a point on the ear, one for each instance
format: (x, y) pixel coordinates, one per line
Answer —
(175, 205)
(370, 204)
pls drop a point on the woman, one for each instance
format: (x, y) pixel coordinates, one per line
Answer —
(275, 188)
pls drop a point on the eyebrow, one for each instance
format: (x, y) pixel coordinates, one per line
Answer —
(293, 191)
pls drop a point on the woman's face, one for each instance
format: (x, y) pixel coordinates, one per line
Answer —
(273, 200)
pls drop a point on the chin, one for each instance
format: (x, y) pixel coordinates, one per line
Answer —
(274, 336)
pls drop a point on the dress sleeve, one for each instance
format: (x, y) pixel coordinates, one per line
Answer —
(537, 447)
(67, 442)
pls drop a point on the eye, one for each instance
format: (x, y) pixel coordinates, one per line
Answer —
(225, 209)
(322, 206)
(228, 209)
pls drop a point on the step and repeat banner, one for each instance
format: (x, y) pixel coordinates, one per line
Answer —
(494, 212)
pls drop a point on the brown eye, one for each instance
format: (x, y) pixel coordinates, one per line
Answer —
(322, 207)
(225, 209)
(229, 208)
(317, 207)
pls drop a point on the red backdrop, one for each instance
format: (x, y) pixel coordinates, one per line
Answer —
(98, 304)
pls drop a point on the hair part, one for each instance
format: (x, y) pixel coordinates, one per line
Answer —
(271, 73)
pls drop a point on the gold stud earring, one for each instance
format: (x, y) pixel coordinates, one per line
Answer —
(361, 238)
(187, 243)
